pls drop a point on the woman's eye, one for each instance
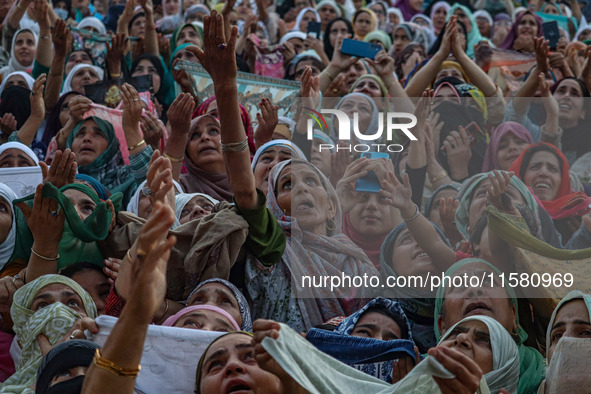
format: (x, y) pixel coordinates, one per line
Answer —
(311, 181)
(42, 305)
(184, 212)
(73, 303)
(195, 136)
(214, 365)
(208, 208)
(556, 336)
(214, 132)
(286, 185)
(64, 373)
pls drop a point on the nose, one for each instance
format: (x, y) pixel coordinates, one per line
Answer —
(372, 202)
(197, 212)
(475, 291)
(463, 340)
(234, 366)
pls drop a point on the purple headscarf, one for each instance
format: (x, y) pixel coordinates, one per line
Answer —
(407, 11)
(491, 162)
(512, 36)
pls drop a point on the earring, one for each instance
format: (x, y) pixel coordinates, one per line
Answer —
(329, 226)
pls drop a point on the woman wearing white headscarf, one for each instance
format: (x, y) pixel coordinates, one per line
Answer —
(22, 147)
(299, 26)
(19, 60)
(28, 79)
(92, 22)
(203, 206)
(494, 352)
(394, 13)
(68, 87)
(7, 218)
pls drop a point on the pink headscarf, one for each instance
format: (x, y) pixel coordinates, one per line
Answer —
(491, 162)
(174, 318)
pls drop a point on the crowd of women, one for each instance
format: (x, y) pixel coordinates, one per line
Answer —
(166, 217)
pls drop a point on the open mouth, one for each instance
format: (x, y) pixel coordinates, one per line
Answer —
(476, 308)
(542, 185)
(304, 205)
(208, 148)
(565, 107)
(238, 388)
(419, 254)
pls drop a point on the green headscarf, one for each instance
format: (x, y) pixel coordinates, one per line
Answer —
(573, 295)
(531, 362)
(175, 35)
(79, 237)
(108, 168)
(472, 38)
(53, 321)
(380, 36)
(467, 193)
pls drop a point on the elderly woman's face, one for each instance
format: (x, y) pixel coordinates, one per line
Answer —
(377, 326)
(83, 204)
(267, 160)
(230, 365)
(15, 158)
(58, 292)
(371, 215)
(83, 77)
(472, 338)
(572, 320)
(89, 143)
(77, 57)
(300, 194)
(205, 320)
(543, 175)
(5, 219)
(361, 106)
(197, 208)
(17, 80)
(188, 35)
(490, 300)
(479, 201)
(217, 294)
(204, 147)
(369, 87)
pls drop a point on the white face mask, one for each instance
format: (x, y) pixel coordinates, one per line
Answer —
(61, 13)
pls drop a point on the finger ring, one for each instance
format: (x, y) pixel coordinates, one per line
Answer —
(53, 213)
(73, 336)
(15, 278)
(335, 90)
(146, 191)
(141, 254)
(223, 46)
(136, 99)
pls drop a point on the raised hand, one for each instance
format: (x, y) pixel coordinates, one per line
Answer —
(179, 114)
(76, 332)
(310, 89)
(346, 185)
(41, 13)
(496, 193)
(78, 106)
(398, 194)
(267, 120)
(159, 180)
(36, 97)
(457, 147)
(132, 107)
(60, 37)
(115, 52)
(383, 63)
(152, 129)
(467, 372)
(8, 123)
(542, 49)
(63, 169)
(8, 286)
(111, 268)
(339, 59)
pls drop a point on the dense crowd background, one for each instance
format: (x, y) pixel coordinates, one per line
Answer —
(149, 214)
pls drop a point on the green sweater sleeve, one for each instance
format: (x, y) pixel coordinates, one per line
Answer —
(266, 239)
(39, 69)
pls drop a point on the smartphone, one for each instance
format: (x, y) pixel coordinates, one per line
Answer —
(360, 49)
(474, 133)
(370, 182)
(551, 33)
(314, 29)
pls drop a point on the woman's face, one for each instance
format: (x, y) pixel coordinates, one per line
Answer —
(377, 326)
(450, 72)
(77, 57)
(571, 103)
(216, 294)
(327, 13)
(572, 320)
(89, 143)
(490, 299)
(300, 194)
(58, 292)
(584, 35)
(183, 54)
(483, 26)
(362, 24)
(339, 28)
(15, 158)
(5, 219)
(369, 87)
(205, 320)
(393, 18)
(363, 108)
(434, 213)
(445, 93)
(462, 17)
(83, 77)
(378, 9)
(197, 208)
(479, 201)
(528, 27)
(138, 27)
(204, 147)
(145, 67)
(416, 5)
(472, 338)
(371, 215)
(96, 285)
(82, 203)
(172, 7)
(244, 10)
(65, 110)
(439, 18)
(188, 35)
(422, 22)
(321, 158)
(358, 4)
(68, 374)
(551, 9)
(308, 17)
(17, 80)
(409, 259)
(543, 175)
(510, 147)
(230, 366)
(24, 48)
(301, 67)
(401, 39)
(269, 159)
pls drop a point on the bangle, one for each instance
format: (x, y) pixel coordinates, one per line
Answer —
(173, 159)
(235, 146)
(439, 176)
(113, 368)
(165, 310)
(45, 258)
(136, 145)
(115, 75)
(413, 217)
(48, 37)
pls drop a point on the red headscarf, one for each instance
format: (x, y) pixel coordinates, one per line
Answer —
(202, 110)
(567, 203)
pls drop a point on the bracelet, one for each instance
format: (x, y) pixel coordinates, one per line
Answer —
(413, 217)
(115, 75)
(173, 159)
(136, 145)
(129, 256)
(439, 176)
(48, 37)
(235, 146)
(113, 368)
(45, 258)
(165, 310)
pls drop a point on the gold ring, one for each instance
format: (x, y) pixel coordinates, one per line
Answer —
(141, 254)
(73, 336)
(335, 90)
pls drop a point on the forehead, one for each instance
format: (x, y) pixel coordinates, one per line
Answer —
(14, 152)
(575, 308)
(545, 156)
(471, 268)
(76, 195)
(570, 83)
(474, 324)
(16, 77)
(83, 70)
(54, 287)
(229, 342)
(25, 35)
(213, 286)
(199, 200)
(338, 25)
